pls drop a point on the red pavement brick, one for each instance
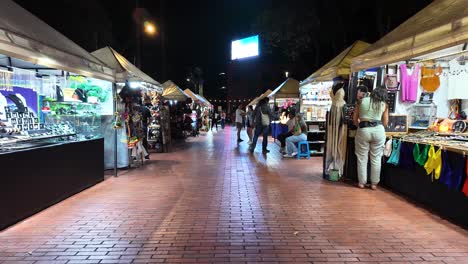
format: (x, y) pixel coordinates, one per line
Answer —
(210, 201)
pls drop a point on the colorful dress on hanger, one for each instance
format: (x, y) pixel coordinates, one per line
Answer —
(336, 133)
(409, 83)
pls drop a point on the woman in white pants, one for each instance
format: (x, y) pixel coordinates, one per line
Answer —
(300, 134)
(371, 118)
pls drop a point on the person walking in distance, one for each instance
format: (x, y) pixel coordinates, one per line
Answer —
(262, 120)
(240, 113)
(214, 122)
(223, 119)
(371, 118)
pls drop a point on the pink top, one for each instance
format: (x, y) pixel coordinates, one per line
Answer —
(409, 84)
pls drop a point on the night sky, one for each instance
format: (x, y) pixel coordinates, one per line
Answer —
(198, 33)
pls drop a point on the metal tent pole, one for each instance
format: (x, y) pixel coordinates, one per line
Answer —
(115, 129)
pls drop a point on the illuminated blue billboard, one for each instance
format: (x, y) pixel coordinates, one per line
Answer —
(245, 48)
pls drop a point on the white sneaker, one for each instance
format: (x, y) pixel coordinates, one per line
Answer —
(294, 154)
(287, 156)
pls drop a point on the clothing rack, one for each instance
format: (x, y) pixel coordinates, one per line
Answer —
(445, 56)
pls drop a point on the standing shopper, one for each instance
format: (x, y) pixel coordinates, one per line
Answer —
(262, 118)
(250, 123)
(300, 134)
(371, 117)
(240, 113)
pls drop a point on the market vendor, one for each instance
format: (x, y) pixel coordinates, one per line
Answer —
(362, 92)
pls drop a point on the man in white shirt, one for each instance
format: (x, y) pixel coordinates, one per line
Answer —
(239, 114)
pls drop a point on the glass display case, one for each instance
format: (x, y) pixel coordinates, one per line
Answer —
(421, 116)
(84, 118)
(60, 122)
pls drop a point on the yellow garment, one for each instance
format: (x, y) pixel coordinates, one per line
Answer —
(430, 78)
(434, 162)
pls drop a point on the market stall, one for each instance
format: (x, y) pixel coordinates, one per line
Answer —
(180, 104)
(284, 97)
(52, 96)
(426, 113)
(130, 144)
(316, 101)
(200, 105)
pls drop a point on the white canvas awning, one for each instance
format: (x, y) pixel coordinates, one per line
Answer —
(26, 37)
(172, 92)
(206, 100)
(197, 98)
(340, 65)
(125, 71)
(288, 89)
(442, 24)
(263, 95)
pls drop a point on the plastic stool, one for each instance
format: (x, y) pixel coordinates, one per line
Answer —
(300, 152)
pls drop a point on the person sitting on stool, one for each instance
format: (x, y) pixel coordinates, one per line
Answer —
(282, 137)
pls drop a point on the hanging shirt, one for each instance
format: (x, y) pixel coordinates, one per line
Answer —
(409, 83)
(395, 156)
(420, 156)
(433, 165)
(388, 148)
(406, 156)
(452, 169)
(465, 186)
(457, 77)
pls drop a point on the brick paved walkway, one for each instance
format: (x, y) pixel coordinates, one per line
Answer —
(210, 201)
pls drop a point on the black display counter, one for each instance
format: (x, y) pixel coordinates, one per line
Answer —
(433, 195)
(417, 186)
(34, 179)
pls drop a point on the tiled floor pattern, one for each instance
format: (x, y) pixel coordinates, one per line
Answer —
(210, 201)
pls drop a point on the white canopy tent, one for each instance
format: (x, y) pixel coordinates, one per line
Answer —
(288, 89)
(441, 25)
(263, 95)
(26, 37)
(125, 71)
(197, 98)
(172, 92)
